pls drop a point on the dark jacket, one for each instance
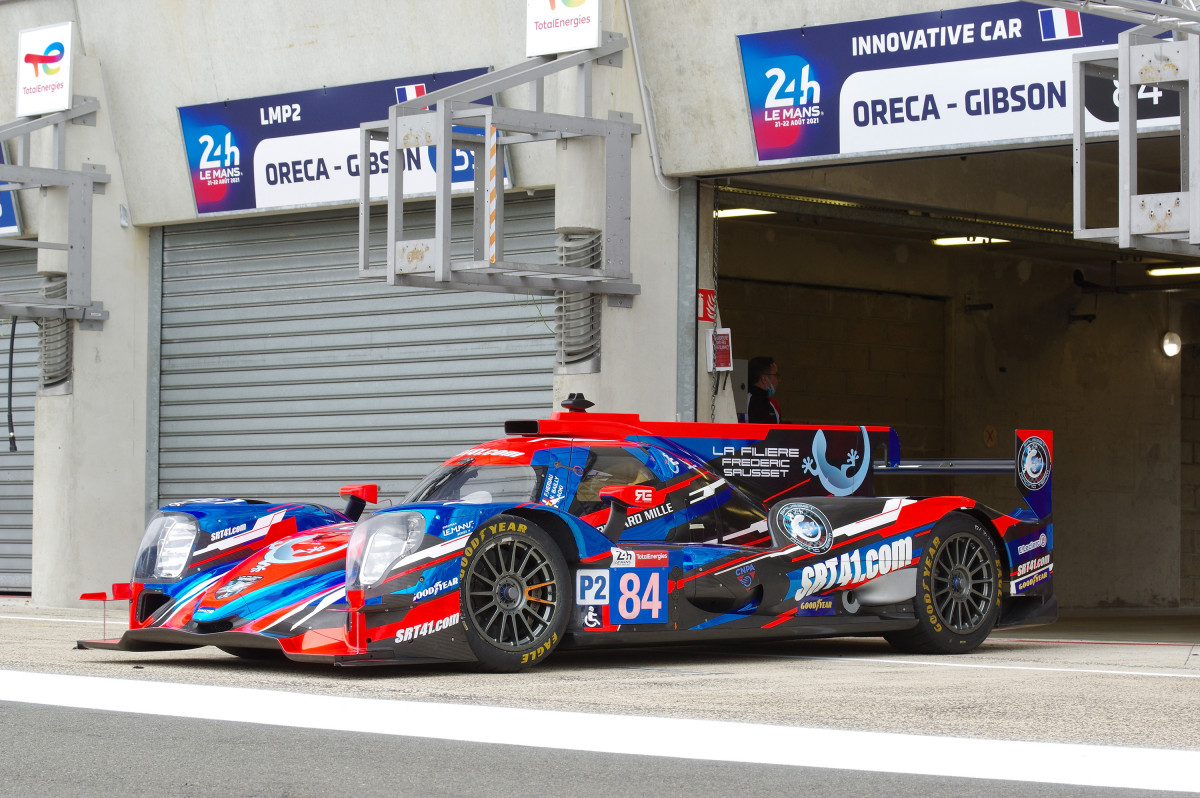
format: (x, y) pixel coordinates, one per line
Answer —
(762, 409)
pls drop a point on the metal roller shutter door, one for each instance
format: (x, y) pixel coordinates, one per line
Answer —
(18, 275)
(284, 375)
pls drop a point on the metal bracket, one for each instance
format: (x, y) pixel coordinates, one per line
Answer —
(82, 112)
(81, 185)
(91, 317)
(1170, 222)
(444, 119)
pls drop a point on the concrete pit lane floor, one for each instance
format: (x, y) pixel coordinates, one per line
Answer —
(1126, 681)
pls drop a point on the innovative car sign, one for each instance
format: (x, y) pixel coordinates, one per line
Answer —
(302, 148)
(954, 79)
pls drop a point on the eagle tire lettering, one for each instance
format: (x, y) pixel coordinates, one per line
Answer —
(541, 650)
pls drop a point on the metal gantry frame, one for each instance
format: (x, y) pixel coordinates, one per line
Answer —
(427, 261)
(80, 185)
(1168, 222)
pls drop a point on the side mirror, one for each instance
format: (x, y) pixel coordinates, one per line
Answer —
(357, 498)
(620, 498)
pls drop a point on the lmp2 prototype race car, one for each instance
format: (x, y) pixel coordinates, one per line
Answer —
(589, 529)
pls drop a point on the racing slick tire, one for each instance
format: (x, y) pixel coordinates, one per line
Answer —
(515, 592)
(958, 590)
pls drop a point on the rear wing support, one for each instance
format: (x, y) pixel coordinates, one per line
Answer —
(1031, 465)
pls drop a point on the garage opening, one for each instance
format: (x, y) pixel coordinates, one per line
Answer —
(871, 321)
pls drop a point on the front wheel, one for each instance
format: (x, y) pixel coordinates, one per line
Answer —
(516, 593)
(958, 590)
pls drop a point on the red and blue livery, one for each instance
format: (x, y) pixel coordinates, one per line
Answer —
(594, 529)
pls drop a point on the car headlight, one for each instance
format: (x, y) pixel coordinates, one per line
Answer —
(166, 546)
(378, 542)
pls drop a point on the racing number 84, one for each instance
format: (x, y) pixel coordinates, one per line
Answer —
(639, 596)
(636, 594)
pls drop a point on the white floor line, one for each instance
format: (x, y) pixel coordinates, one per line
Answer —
(979, 665)
(116, 623)
(1047, 763)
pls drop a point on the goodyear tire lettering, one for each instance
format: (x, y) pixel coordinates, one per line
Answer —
(971, 611)
(495, 649)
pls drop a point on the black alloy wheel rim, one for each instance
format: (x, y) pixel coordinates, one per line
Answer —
(964, 583)
(512, 593)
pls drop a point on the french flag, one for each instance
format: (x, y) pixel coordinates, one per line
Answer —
(1059, 23)
(414, 90)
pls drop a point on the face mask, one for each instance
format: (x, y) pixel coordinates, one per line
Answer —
(770, 391)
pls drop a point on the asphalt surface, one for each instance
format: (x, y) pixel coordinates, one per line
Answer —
(1131, 682)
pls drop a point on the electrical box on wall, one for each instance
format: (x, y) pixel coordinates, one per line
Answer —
(720, 350)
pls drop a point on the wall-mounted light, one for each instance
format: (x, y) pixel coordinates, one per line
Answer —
(958, 241)
(1173, 271)
(726, 213)
(1172, 344)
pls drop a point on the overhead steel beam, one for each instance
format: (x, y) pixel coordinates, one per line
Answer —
(82, 112)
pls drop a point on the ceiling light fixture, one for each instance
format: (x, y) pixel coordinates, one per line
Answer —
(1172, 344)
(728, 212)
(1173, 271)
(958, 241)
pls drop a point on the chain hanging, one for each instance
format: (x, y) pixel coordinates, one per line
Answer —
(715, 376)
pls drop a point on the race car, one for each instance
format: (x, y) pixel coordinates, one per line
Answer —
(600, 529)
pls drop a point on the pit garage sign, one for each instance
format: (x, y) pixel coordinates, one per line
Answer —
(302, 148)
(963, 78)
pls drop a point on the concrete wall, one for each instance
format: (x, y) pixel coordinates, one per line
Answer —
(1189, 451)
(89, 461)
(638, 343)
(1112, 399)
(146, 58)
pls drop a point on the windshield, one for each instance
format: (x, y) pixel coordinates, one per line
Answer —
(483, 484)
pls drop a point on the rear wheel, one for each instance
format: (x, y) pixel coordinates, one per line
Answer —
(958, 590)
(516, 593)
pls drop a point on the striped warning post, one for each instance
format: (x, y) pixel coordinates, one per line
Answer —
(490, 144)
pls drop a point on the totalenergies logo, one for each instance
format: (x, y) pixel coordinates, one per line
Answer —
(567, 3)
(52, 55)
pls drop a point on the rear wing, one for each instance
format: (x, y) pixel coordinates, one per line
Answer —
(1031, 465)
(794, 460)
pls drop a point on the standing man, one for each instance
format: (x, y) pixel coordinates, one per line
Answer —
(763, 375)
